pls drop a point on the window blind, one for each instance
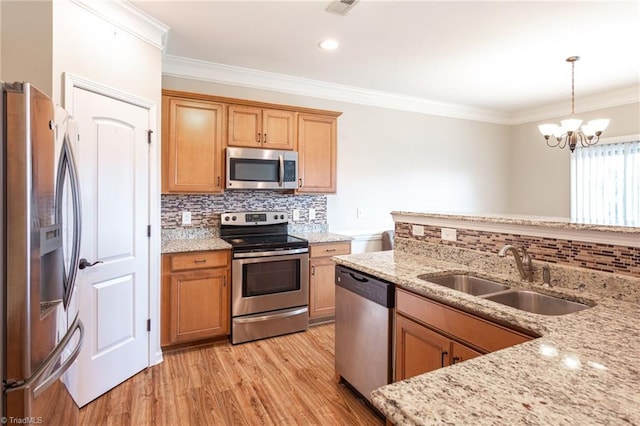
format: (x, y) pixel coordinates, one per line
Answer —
(605, 184)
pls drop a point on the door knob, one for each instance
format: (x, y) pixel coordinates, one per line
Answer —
(84, 263)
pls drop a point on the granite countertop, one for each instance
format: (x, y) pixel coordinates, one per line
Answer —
(184, 243)
(322, 237)
(540, 221)
(194, 244)
(583, 370)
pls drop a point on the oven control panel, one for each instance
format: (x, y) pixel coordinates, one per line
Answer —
(254, 218)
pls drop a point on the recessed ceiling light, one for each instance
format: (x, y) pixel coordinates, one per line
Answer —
(329, 44)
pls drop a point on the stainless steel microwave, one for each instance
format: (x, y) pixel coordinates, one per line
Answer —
(253, 168)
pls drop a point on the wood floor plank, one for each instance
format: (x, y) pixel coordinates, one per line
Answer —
(286, 380)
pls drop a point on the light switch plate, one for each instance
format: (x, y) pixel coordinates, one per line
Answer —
(448, 234)
(417, 230)
(312, 214)
(296, 214)
(186, 218)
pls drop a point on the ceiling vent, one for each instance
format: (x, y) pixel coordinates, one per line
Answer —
(341, 7)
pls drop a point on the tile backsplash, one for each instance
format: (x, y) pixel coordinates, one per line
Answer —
(595, 256)
(206, 209)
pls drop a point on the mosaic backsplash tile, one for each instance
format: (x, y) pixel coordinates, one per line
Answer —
(599, 257)
(206, 209)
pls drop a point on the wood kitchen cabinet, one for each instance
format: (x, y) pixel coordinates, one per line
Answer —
(196, 129)
(255, 127)
(317, 153)
(322, 277)
(192, 138)
(430, 335)
(195, 296)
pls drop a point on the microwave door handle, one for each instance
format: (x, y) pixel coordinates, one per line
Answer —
(281, 158)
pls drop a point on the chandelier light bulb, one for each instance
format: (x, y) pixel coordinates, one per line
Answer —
(600, 125)
(571, 124)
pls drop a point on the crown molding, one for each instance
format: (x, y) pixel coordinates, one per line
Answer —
(176, 66)
(613, 98)
(129, 18)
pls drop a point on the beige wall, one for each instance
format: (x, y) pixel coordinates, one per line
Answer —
(26, 34)
(395, 160)
(92, 48)
(540, 181)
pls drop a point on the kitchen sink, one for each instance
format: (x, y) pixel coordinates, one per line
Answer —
(536, 303)
(466, 283)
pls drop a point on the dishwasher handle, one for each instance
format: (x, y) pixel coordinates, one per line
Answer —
(371, 288)
(356, 277)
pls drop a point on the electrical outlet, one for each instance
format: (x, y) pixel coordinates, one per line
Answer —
(448, 234)
(359, 213)
(296, 214)
(186, 218)
(417, 230)
(312, 214)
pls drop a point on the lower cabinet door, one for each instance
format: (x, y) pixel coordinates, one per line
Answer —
(418, 349)
(322, 288)
(199, 305)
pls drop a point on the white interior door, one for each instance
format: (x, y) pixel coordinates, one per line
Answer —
(112, 156)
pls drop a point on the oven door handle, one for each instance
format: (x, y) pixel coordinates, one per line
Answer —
(270, 253)
(288, 313)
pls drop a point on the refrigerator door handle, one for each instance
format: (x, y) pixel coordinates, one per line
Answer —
(67, 164)
(45, 375)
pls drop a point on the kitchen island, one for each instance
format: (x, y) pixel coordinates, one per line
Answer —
(582, 370)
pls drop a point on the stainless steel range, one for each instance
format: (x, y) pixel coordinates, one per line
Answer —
(269, 275)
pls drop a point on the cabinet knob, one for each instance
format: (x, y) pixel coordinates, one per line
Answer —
(264, 138)
(300, 182)
(313, 270)
(258, 137)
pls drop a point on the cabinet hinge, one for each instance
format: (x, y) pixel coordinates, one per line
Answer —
(149, 325)
(148, 230)
(149, 136)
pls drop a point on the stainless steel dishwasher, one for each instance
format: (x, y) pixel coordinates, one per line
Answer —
(363, 330)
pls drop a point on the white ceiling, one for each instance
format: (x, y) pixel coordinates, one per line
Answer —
(505, 56)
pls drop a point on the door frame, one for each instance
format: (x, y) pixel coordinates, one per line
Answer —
(72, 81)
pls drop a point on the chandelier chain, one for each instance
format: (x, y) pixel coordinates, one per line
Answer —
(573, 95)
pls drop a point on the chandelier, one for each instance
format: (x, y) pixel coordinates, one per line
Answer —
(569, 131)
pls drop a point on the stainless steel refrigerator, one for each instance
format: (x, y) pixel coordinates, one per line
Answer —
(39, 258)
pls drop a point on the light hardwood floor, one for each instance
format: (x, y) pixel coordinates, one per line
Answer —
(286, 380)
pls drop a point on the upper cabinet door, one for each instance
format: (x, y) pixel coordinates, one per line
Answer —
(317, 146)
(261, 128)
(193, 148)
(245, 126)
(278, 129)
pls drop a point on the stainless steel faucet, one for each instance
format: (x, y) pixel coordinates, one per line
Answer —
(524, 264)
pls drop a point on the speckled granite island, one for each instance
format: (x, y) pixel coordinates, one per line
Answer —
(584, 369)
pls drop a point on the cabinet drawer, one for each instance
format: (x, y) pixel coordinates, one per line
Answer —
(199, 260)
(480, 333)
(329, 249)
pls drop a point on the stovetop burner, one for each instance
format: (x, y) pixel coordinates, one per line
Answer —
(265, 242)
(258, 231)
